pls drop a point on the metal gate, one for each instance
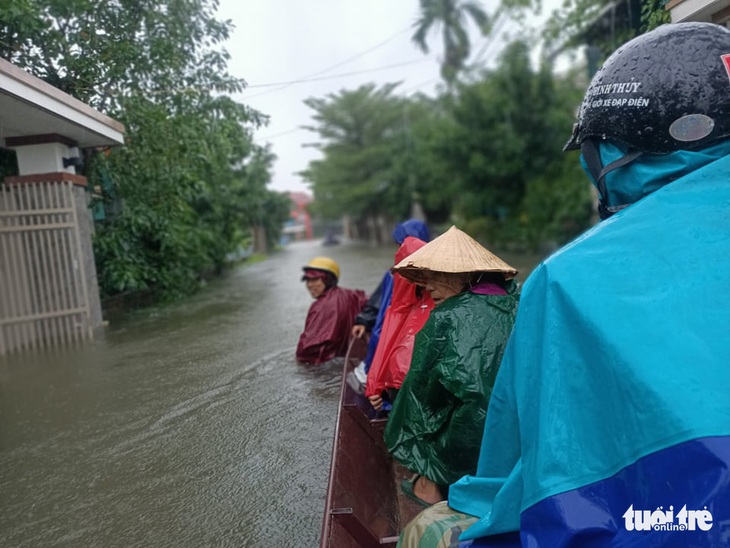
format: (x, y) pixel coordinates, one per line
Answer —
(43, 290)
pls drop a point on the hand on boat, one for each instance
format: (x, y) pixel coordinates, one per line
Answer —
(376, 402)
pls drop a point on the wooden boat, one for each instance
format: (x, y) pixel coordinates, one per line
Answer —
(365, 507)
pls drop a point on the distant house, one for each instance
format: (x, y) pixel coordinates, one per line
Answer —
(299, 225)
(708, 11)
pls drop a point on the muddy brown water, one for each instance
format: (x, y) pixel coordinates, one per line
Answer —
(187, 425)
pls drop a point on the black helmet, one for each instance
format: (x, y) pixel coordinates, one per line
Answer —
(663, 91)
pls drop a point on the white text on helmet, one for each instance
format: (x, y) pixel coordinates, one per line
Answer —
(623, 87)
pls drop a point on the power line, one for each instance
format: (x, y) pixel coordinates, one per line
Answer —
(193, 89)
(411, 89)
(357, 56)
(502, 19)
(309, 78)
(334, 76)
(281, 133)
(337, 65)
(407, 91)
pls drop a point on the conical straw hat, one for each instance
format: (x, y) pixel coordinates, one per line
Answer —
(453, 252)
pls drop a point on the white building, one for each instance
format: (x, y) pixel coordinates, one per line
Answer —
(708, 11)
(48, 286)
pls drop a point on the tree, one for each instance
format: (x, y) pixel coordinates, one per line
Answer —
(486, 154)
(433, 179)
(506, 132)
(186, 174)
(362, 138)
(602, 26)
(263, 211)
(452, 16)
(99, 52)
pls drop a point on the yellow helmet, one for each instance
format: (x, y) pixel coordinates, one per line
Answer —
(324, 264)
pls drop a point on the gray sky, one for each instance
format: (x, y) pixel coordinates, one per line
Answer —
(335, 45)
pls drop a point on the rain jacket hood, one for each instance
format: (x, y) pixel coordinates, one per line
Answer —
(632, 182)
(404, 292)
(411, 227)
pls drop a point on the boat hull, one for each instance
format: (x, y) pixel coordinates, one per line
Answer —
(364, 504)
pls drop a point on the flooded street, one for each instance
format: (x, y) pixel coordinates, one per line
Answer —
(182, 426)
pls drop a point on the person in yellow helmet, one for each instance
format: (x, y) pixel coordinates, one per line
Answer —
(332, 314)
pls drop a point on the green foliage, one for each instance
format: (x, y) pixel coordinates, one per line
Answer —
(260, 207)
(580, 22)
(102, 51)
(431, 130)
(510, 124)
(568, 25)
(185, 206)
(558, 204)
(485, 154)
(189, 183)
(654, 13)
(451, 16)
(365, 145)
(8, 163)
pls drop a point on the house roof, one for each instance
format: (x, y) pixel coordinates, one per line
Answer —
(300, 198)
(29, 107)
(708, 11)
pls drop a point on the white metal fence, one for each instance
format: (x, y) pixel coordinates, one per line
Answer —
(43, 290)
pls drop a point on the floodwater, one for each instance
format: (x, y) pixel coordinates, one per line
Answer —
(184, 426)
(188, 425)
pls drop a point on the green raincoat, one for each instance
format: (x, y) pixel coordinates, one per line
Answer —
(435, 427)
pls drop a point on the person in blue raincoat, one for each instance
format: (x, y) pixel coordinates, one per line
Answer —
(609, 423)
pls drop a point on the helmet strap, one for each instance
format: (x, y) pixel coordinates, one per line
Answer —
(598, 171)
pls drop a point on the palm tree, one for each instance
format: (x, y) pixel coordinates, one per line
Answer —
(451, 15)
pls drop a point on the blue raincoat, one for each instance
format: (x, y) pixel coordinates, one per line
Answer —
(609, 423)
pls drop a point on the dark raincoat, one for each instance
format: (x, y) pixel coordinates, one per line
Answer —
(329, 324)
(435, 427)
(408, 311)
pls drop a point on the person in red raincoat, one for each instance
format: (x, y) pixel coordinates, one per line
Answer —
(410, 307)
(331, 316)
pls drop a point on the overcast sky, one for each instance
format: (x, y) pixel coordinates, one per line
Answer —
(332, 45)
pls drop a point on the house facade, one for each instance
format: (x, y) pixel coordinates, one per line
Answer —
(708, 11)
(48, 286)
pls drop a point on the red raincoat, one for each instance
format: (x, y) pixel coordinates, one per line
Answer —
(329, 324)
(404, 318)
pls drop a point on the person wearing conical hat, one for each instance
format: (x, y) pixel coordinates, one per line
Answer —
(436, 423)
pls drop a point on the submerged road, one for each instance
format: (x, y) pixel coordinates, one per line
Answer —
(188, 425)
